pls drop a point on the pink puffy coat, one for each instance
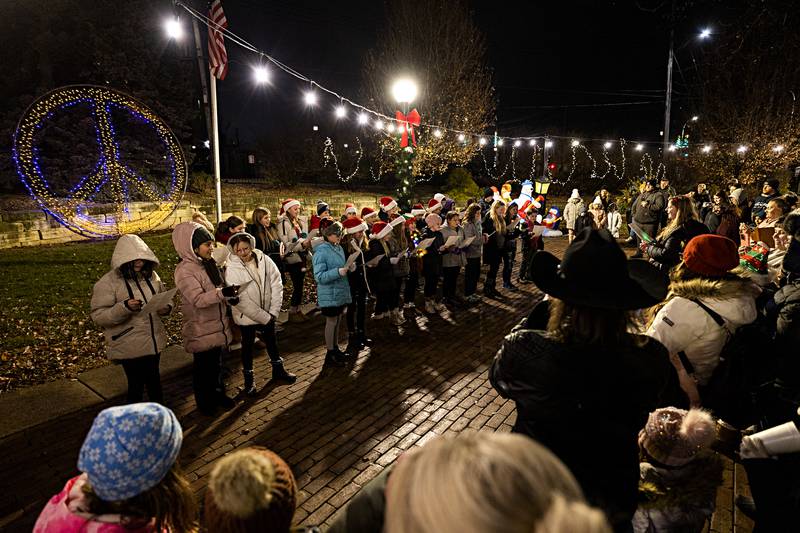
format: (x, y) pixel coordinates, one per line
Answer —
(205, 319)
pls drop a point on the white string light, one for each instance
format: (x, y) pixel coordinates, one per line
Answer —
(329, 157)
(310, 98)
(261, 74)
(363, 118)
(777, 149)
(341, 112)
(437, 133)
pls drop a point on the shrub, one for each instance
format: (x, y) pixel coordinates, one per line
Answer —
(201, 182)
(461, 186)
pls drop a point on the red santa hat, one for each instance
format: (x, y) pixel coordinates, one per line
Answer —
(367, 213)
(288, 204)
(350, 208)
(387, 203)
(354, 225)
(397, 221)
(417, 210)
(380, 230)
(434, 204)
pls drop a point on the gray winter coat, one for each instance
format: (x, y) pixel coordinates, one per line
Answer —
(474, 229)
(454, 256)
(128, 334)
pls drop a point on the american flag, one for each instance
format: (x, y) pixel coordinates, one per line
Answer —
(217, 56)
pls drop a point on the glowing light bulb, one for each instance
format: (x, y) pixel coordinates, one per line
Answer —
(742, 149)
(461, 137)
(548, 144)
(482, 141)
(437, 133)
(363, 118)
(390, 128)
(378, 124)
(706, 149)
(260, 74)
(639, 147)
(575, 142)
(671, 148)
(532, 142)
(607, 145)
(778, 148)
(500, 142)
(341, 112)
(310, 98)
(705, 33)
(173, 28)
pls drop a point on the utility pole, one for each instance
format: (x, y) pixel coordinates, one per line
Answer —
(201, 66)
(668, 104)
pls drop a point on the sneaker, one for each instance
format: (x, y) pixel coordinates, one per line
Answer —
(429, 307)
(439, 306)
(398, 319)
(409, 305)
(379, 316)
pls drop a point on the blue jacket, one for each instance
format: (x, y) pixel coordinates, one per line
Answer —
(333, 290)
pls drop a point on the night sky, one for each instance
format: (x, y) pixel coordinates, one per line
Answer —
(553, 63)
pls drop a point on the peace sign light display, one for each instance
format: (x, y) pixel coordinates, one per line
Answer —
(112, 176)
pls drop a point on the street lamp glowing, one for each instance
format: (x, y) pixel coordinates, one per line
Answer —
(705, 33)
(404, 91)
(173, 28)
(310, 98)
(639, 147)
(261, 75)
(607, 145)
(340, 111)
(363, 118)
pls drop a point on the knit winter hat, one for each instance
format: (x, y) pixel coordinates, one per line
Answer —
(354, 225)
(575, 195)
(200, 236)
(597, 201)
(774, 183)
(418, 209)
(350, 209)
(129, 449)
(488, 191)
(755, 259)
(322, 207)
(674, 436)
(711, 255)
(380, 230)
(367, 213)
(288, 204)
(387, 203)
(250, 490)
(433, 218)
(329, 227)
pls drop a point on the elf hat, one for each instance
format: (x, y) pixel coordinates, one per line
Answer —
(367, 213)
(387, 203)
(433, 204)
(354, 225)
(380, 230)
(350, 208)
(674, 436)
(417, 210)
(288, 204)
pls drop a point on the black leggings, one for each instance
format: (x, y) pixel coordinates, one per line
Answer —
(357, 308)
(508, 264)
(412, 282)
(143, 372)
(472, 272)
(206, 378)
(449, 284)
(386, 300)
(431, 282)
(298, 275)
(491, 275)
(267, 334)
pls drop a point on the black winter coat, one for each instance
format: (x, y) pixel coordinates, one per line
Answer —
(587, 405)
(268, 246)
(493, 248)
(667, 253)
(432, 260)
(650, 213)
(380, 277)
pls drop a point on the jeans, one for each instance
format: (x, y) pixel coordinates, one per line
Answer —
(266, 332)
(491, 275)
(143, 372)
(298, 276)
(508, 265)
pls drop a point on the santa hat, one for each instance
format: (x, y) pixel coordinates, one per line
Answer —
(434, 204)
(322, 207)
(674, 436)
(574, 195)
(439, 197)
(417, 210)
(397, 221)
(288, 204)
(387, 203)
(380, 230)
(250, 490)
(354, 225)
(350, 208)
(367, 213)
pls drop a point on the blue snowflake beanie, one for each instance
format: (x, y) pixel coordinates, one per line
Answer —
(130, 449)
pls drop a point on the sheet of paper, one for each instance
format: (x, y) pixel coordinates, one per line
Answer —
(157, 301)
(352, 259)
(375, 260)
(536, 231)
(244, 285)
(451, 241)
(640, 232)
(467, 242)
(423, 244)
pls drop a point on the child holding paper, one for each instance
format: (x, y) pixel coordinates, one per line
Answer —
(398, 247)
(379, 271)
(432, 261)
(133, 339)
(354, 242)
(472, 271)
(452, 256)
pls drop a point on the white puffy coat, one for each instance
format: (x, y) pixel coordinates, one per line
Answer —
(614, 223)
(683, 326)
(257, 304)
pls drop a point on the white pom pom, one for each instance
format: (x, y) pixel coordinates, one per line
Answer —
(698, 428)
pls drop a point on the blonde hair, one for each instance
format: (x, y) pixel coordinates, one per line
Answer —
(686, 212)
(463, 484)
(499, 222)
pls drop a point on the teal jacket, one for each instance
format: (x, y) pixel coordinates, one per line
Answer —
(333, 290)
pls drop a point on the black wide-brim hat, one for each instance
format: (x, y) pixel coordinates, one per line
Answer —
(595, 273)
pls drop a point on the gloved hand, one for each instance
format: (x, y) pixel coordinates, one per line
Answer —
(230, 291)
(394, 260)
(233, 301)
(343, 271)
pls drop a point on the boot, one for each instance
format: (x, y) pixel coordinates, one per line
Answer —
(429, 308)
(332, 357)
(363, 340)
(279, 373)
(224, 402)
(249, 385)
(353, 345)
(397, 317)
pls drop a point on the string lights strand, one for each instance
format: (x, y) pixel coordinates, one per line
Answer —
(329, 157)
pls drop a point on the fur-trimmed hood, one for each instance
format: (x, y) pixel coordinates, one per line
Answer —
(713, 289)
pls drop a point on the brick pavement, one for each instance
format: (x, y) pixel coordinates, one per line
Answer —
(336, 427)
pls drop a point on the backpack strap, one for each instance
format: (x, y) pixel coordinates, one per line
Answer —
(713, 314)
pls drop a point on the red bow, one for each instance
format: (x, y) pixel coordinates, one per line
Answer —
(406, 123)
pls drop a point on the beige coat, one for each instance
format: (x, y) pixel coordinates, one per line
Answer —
(128, 334)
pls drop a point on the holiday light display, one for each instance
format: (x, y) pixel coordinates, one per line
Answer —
(110, 176)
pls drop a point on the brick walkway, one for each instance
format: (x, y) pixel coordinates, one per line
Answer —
(336, 427)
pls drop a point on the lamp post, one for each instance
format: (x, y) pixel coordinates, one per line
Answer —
(404, 91)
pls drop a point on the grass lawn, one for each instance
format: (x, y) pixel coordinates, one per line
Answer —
(45, 327)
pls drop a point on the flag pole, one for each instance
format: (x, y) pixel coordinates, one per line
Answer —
(215, 145)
